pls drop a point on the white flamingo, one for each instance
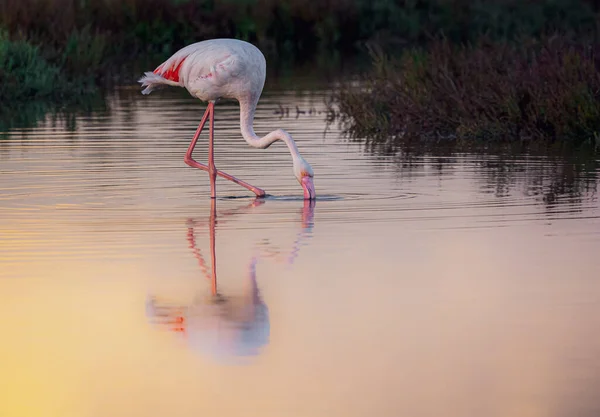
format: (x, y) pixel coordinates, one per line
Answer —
(226, 68)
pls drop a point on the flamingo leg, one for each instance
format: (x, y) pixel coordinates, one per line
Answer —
(212, 170)
(195, 164)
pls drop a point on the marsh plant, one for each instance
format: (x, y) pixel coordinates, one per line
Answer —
(534, 90)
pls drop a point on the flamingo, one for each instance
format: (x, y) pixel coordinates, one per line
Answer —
(226, 68)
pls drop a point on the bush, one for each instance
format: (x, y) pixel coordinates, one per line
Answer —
(25, 75)
(536, 90)
(23, 72)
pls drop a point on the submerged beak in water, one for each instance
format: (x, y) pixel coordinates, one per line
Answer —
(309, 188)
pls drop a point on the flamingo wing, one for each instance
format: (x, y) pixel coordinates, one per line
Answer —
(212, 76)
(206, 69)
(217, 71)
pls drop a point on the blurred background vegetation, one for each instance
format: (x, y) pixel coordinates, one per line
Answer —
(58, 49)
(93, 37)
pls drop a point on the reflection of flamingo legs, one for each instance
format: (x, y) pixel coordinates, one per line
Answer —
(307, 223)
(212, 232)
(213, 255)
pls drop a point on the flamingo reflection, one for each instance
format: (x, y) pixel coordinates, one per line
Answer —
(226, 326)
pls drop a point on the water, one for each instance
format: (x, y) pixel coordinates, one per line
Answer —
(418, 284)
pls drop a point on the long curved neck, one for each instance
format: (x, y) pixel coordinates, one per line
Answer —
(247, 109)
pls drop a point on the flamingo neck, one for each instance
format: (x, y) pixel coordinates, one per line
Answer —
(247, 109)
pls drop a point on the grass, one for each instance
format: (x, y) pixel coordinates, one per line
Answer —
(534, 91)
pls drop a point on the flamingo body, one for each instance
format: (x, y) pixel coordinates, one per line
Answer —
(214, 69)
(226, 68)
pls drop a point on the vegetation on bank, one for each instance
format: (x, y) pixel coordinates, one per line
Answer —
(534, 90)
(25, 75)
(125, 27)
(58, 50)
(93, 37)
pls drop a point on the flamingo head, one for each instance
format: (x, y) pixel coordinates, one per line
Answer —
(304, 174)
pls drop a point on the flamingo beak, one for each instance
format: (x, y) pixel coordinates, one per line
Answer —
(309, 188)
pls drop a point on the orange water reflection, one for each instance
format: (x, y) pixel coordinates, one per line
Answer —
(451, 285)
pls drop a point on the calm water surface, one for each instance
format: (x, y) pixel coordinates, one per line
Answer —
(417, 285)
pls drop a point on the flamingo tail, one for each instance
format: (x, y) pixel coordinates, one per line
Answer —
(154, 81)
